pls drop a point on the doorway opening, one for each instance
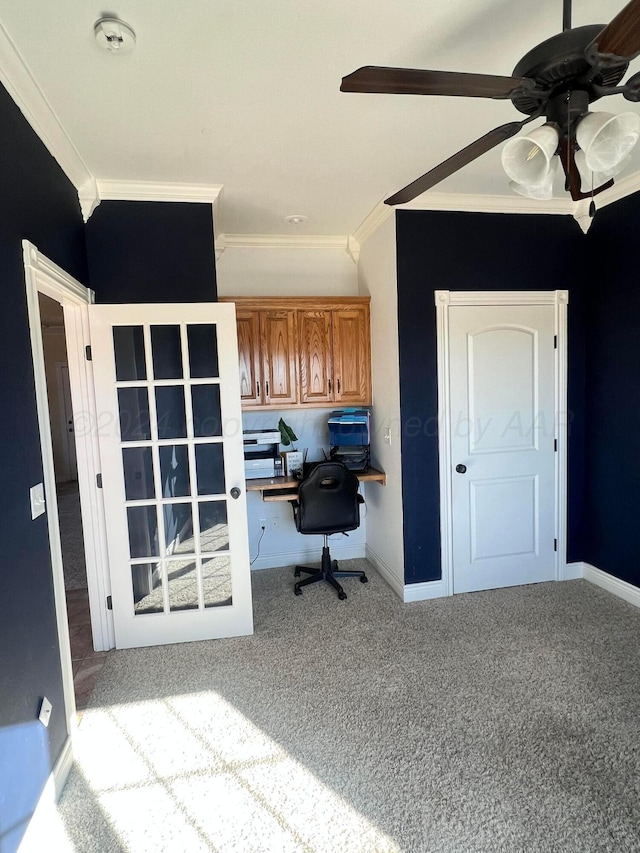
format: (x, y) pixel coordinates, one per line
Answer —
(86, 662)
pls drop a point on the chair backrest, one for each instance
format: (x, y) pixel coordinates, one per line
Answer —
(328, 500)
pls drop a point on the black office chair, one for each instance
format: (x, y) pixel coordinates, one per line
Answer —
(328, 502)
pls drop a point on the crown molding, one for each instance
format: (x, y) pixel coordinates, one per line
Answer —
(370, 224)
(281, 241)
(33, 104)
(114, 190)
(489, 204)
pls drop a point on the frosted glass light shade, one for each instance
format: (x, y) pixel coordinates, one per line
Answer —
(590, 179)
(541, 191)
(607, 139)
(527, 159)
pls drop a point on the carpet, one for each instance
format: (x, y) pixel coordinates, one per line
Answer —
(494, 721)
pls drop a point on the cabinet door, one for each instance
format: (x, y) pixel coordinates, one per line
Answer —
(278, 341)
(351, 356)
(314, 343)
(248, 323)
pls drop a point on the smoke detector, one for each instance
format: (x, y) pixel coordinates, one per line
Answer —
(114, 35)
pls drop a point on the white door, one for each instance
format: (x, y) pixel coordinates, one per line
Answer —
(502, 419)
(170, 433)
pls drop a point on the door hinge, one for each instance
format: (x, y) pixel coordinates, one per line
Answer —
(87, 352)
(555, 445)
(555, 544)
(109, 603)
(99, 480)
(555, 342)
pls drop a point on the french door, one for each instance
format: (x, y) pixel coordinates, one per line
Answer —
(170, 434)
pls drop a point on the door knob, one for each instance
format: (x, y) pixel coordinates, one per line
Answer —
(235, 493)
(461, 469)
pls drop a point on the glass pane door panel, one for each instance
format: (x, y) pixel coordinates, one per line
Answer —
(207, 417)
(209, 469)
(133, 409)
(203, 351)
(146, 580)
(170, 412)
(174, 470)
(182, 583)
(214, 529)
(216, 581)
(128, 348)
(166, 352)
(178, 529)
(143, 531)
(178, 544)
(137, 464)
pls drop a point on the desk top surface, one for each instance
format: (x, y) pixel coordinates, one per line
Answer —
(260, 484)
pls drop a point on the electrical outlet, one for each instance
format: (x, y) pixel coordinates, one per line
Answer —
(262, 524)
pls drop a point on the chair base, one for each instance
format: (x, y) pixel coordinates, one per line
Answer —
(327, 572)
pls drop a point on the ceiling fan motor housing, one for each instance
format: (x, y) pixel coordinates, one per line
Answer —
(558, 65)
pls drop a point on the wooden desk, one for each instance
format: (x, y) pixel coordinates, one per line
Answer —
(286, 488)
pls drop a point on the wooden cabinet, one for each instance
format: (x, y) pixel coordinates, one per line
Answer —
(309, 351)
(267, 357)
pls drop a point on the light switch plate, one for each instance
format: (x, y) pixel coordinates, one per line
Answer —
(36, 496)
(45, 711)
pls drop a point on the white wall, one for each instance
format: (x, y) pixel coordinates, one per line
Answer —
(290, 272)
(286, 272)
(377, 278)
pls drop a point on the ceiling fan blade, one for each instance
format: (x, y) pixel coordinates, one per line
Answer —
(411, 81)
(620, 38)
(457, 161)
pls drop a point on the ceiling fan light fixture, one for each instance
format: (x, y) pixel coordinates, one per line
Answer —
(528, 160)
(607, 139)
(540, 192)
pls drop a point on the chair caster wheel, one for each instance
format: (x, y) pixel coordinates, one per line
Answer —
(296, 574)
(297, 591)
(342, 596)
(364, 579)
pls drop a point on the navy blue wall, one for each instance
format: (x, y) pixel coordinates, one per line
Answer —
(612, 529)
(38, 203)
(152, 252)
(474, 251)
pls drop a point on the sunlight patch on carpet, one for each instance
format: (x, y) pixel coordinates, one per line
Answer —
(191, 772)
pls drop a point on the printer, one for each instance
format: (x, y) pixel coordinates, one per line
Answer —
(349, 438)
(262, 453)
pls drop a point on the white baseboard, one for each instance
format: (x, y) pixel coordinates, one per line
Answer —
(425, 591)
(308, 555)
(410, 591)
(38, 833)
(611, 584)
(572, 571)
(385, 571)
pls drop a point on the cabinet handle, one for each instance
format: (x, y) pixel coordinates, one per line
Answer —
(338, 386)
(329, 386)
(267, 384)
(257, 387)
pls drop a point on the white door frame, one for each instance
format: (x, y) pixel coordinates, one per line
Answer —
(43, 276)
(444, 299)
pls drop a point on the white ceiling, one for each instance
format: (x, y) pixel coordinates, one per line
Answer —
(245, 93)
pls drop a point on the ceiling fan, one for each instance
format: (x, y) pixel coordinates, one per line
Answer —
(557, 79)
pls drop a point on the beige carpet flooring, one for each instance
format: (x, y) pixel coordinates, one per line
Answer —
(496, 721)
